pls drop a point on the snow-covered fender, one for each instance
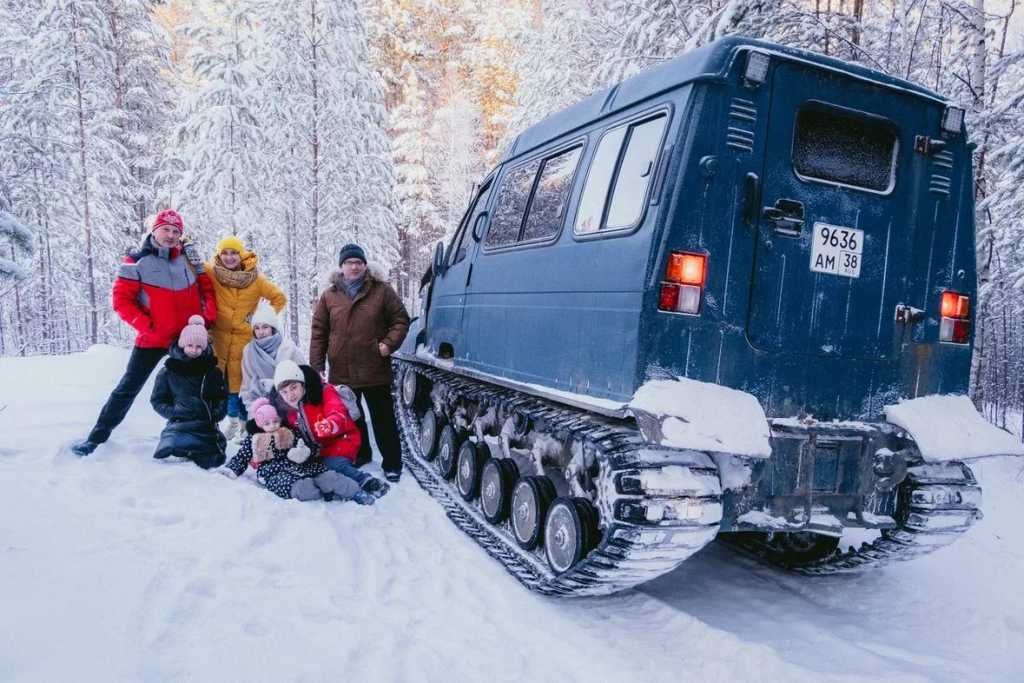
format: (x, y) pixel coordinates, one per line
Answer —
(686, 413)
(948, 427)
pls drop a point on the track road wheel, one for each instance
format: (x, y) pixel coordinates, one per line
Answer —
(570, 532)
(447, 452)
(413, 387)
(531, 499)
(469, 465)
(496, 482)
(430, 425)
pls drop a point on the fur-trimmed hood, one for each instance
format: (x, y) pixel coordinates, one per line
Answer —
(373, 274)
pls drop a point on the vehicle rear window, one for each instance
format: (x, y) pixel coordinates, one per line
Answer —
(552, 194)
(841, 147)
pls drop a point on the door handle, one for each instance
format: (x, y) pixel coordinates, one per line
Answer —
(787, 215)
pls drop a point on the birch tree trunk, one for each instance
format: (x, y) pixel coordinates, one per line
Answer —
(314, 20)
(86, 204)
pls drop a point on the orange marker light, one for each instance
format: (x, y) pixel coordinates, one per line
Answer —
(685, 268)
(955, 305)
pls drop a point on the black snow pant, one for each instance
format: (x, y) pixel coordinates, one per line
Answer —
(382, 411)
(140, 366)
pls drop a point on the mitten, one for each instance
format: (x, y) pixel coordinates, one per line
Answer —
(325, 427)
(299, 453)
(226, 471)
(188, 248)
(284, 439)
(261, 451)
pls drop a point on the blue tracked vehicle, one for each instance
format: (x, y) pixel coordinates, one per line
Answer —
(778, 239)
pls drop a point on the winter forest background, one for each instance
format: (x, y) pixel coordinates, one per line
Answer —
(304, 125)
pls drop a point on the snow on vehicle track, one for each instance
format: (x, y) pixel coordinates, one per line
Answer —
(118, 567)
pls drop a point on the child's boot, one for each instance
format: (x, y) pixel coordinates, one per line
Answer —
(375, 487)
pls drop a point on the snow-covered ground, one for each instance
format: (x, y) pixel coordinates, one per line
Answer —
(117, 567)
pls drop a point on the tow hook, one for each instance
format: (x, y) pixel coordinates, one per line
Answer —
(890, 469)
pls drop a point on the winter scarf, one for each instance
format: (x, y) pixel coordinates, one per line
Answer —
(352, 288)
(262, 356)
(239, 279)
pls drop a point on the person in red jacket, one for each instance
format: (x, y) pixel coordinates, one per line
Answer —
(158, 288)
(318, 414)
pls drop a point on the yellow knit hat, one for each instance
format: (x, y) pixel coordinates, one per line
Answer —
(230, 242)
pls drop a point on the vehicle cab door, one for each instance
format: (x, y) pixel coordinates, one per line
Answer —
(448, 289)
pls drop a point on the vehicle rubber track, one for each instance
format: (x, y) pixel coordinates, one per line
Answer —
(628, 553)
(936, 504)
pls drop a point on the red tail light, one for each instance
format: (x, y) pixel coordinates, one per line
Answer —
(683, 286)
(955, 323)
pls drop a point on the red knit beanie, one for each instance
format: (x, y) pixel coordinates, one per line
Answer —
(194, 333)
(168, 217)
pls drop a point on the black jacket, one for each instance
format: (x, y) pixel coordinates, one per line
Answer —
(191, 395)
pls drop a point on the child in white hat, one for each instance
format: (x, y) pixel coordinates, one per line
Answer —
(261, 355)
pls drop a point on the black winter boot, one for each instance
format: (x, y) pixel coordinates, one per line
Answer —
(83, 447)
(376, 487)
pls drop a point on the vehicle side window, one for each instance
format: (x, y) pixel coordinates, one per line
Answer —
(635, 174)
(599, 180)
(461, 240)
(629, 154)
(513, 194)
(551, 196)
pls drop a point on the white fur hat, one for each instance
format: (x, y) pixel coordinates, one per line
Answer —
(265, 315)
(287, 371)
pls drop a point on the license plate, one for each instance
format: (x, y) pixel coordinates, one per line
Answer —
(837, 250)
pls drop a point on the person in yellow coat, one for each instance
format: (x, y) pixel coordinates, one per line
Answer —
(239, 286)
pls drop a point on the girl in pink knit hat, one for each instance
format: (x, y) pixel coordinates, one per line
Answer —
(191, 395)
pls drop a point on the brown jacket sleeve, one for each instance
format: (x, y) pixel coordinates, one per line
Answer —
(397, 319)
(319, 335)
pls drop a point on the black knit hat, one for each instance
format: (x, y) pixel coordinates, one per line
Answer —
(351, 251)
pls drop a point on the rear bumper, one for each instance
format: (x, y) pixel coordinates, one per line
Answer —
(822, 477)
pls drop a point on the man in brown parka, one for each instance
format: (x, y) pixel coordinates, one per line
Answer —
(357, 323)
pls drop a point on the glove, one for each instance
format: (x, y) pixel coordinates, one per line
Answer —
(299, 453)
(226, 471)
(325, 427)
(188, 248)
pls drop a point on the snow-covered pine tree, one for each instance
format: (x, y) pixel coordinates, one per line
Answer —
(419, 224)
(564, 46)
(457, 157)
(67, 83)
(326, 148)
(15, 240)
(142, 104)
(490, 55)
(219, 141)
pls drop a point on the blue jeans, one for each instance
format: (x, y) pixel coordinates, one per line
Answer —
(236, 408)
(345, 466)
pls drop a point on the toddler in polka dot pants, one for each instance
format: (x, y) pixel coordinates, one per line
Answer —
(284, 466)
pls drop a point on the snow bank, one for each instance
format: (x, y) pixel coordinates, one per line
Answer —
(685, 413)
(949, 428)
